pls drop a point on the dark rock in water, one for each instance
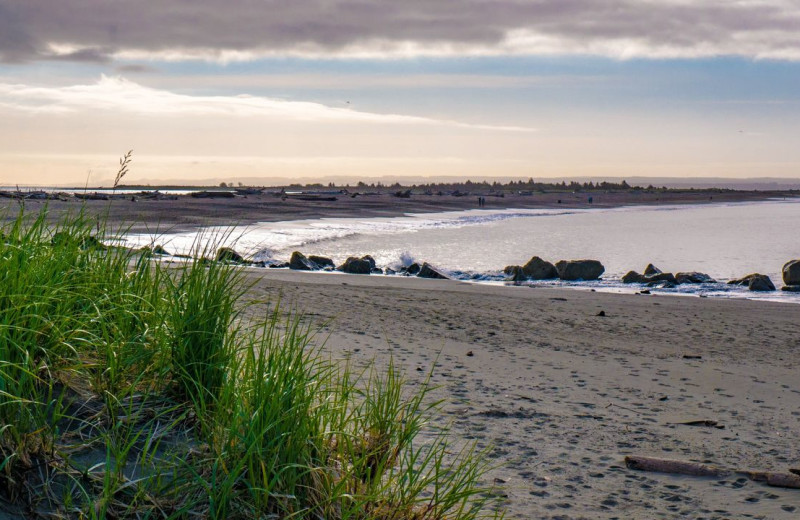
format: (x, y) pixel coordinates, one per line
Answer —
(651, 269)
(579, 269)
(667, 278)
(376, 270)
(279, 265)
(427, 271)
(354, 265)
(372, 264)
(515, 273)
(791, 288)
(538, 269)
(761, 283)
(412, 269)
(226, 254)
(791, 272)
(634, 277)
(156, 250)
(694, 277)
(511, 269)
(755, 282)
(299, 262)
(322, 261)
(663, 284)
(389, 270)
(62, 238)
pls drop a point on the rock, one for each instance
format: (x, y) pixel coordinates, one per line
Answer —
(694, 277)
(634, 277)
(755, 282)
(602, 314)
(579, 269)
(511, 269)
(427, 271)
(389, 271)
(538, 269)
(791, 288)
(354, 265)
(515, 273)
(651, 269)
(371, 261)
(376, 270)
(412, 269)
(663, 284)
(761, 283)
(226, 254)
(322, 262)
(279, 265)
(666, 278)
(299, 262)
(791, 272)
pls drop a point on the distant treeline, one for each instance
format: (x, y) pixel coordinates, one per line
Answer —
(529, 185)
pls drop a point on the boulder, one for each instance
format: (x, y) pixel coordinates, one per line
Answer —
(791, 288)
(278, 265)
(694, 277)
(159, 250)
(355, 265)
(226, 254)
(761, 283)
(634, 277)
(791, 272)
(515, 273)
(651, 269)
(322, 262)
(538, 269)
(667, 278)
(372, 264)
(427, 271)
(755, 282)
(579, 269)
(412, 269)
(299, 262)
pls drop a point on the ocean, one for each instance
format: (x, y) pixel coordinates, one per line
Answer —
(724, 241)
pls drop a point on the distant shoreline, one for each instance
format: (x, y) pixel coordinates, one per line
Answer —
(185, 213)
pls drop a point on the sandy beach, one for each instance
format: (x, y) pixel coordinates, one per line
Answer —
(559, 394)
(562, 395)
(187, 213)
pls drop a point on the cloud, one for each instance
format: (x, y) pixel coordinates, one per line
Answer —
(120, 95)
(244, 29)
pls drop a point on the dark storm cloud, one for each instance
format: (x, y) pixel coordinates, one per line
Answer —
(98, 29)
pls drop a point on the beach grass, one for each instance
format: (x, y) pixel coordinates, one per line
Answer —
(135, 388)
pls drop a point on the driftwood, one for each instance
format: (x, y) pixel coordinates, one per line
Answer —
(679, 467)
(697, 469)
(707, 423)
(784, 480)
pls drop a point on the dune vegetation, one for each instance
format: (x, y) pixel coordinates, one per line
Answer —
(131, 387)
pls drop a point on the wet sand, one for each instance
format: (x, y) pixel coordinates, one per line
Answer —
(562, 395)
(188, 213)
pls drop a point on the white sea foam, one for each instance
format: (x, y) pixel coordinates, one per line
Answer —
(723, 240)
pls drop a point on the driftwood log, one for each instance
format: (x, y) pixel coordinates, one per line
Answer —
(784, 480)
(680, 467)
(697, 469)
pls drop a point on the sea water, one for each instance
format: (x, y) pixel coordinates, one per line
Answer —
(724, 241)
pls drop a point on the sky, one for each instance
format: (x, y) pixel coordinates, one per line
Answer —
(256, 91)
